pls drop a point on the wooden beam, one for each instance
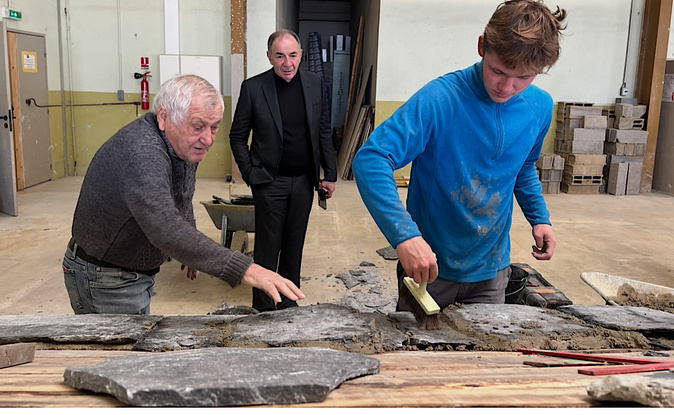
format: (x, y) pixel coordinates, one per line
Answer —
(238, 72)
(651, 75)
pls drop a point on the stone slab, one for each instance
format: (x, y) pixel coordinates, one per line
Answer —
(655, 389)
(641, 319)
(510, 326)
(444, 339)
(186, 332)
(222, 377)
(81, 328)
(321, 325)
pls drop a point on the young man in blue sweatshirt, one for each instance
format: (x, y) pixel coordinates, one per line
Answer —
(473, 137)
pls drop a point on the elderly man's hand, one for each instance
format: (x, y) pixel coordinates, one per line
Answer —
(271, 283)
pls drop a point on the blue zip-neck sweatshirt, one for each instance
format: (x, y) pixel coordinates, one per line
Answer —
(469, 156)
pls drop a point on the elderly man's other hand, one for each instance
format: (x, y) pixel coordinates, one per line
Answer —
(191, 272)
(271, 283)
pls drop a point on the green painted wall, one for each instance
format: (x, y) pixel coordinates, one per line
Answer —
(95, 124)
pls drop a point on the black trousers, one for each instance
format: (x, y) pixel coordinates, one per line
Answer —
(282, 210)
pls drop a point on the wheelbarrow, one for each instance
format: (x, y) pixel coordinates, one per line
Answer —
(618, 291)
(234, 218)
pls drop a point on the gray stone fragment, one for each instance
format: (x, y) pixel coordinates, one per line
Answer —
(186, 332)
(222, 377)
(324, 325)
(641, 319)
(348, 280)
(388, 253)
(655, 389)
(233, 310)
(366, 292)
(80, 328)
(444, 339)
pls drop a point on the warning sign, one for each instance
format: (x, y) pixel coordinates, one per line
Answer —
(29, 61)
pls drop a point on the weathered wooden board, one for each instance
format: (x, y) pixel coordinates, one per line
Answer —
(406, 379)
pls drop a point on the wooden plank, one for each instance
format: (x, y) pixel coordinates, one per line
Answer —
(417, 379)
(16, 354)
(355, 71)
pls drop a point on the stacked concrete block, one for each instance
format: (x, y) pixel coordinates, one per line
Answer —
(583, 173)
(583, 134)
(625, 148)
(568, 119)
(550, 168)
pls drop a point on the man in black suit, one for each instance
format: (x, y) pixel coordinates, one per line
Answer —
(286, 109)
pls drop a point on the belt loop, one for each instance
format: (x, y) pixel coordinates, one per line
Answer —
(75, 246)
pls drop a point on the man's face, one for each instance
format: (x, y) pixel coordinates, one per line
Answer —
(500, 81)
(285, 56)
(192, 138)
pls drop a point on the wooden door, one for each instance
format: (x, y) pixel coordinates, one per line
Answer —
(28, 80)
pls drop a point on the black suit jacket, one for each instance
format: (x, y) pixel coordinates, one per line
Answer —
(258, 110)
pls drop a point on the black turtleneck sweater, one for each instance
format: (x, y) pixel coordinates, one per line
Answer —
(296, 155)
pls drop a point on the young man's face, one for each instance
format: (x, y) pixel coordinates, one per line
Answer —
(285, 56)
(192, 138)
(500, 81)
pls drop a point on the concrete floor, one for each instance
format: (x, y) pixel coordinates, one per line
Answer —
(627, 236)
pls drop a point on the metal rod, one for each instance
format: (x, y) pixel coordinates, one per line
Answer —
(29, 100)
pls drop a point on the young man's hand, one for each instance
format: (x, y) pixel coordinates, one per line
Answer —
(418, 260)
(545, 242)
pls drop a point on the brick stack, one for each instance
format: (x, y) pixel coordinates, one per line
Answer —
(581, 132)
(550, 168)
(625, 148)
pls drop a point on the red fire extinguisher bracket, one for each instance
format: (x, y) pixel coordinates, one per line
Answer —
(145, 91)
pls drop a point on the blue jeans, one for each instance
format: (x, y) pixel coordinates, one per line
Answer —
(98, 290)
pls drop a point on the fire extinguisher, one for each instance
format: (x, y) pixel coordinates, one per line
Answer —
(145, 91)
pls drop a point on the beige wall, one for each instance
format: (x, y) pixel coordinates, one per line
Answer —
(417, 41)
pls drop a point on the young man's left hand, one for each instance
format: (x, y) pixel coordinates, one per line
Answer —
(545, 241)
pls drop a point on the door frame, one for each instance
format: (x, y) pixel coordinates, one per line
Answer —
(8, 202)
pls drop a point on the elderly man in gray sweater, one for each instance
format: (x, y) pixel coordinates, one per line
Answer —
(135, 209)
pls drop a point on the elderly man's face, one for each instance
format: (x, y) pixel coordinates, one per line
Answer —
(192, 138)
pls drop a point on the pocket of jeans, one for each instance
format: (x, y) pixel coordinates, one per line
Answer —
(70, 281)
(113, 278)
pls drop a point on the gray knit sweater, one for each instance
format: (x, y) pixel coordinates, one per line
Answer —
(135, 207)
